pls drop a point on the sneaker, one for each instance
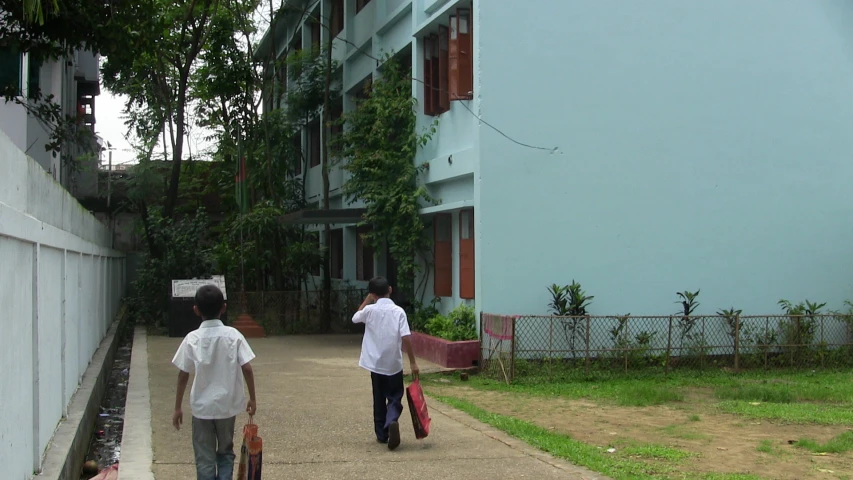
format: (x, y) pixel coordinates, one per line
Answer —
(382, 440)
(393, 435)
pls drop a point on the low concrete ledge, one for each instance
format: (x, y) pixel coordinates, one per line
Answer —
(463, 354)
(137, 454)
(64, 457)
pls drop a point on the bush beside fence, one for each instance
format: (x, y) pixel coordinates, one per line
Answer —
(297, 312)
(552, 346)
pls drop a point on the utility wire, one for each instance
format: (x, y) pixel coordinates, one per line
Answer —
(478, 117)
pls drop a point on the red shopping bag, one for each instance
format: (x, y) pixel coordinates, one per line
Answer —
(251, 453)
(418, 408)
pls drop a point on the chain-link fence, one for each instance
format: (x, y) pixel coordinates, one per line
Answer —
(297, 312)
(554, 347)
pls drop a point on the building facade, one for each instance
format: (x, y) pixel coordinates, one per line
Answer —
(638, 148)
(74, 82)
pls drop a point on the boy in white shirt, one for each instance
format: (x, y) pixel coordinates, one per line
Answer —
(220, 357)
(386, 331)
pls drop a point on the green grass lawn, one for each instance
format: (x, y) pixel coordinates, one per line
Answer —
(780, 397)
(824, 397)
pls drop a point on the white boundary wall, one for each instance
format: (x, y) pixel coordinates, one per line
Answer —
(60, 288)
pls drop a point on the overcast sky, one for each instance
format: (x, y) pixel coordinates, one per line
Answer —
(110, 125)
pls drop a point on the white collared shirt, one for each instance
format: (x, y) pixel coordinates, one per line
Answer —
(385, 325)
(216, 353)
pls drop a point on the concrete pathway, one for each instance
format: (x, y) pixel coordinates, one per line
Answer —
(315, 417)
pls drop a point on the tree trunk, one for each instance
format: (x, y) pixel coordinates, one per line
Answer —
(177, 152)
(327, 280)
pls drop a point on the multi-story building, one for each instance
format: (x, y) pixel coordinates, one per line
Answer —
(640, 148)
(74, 82)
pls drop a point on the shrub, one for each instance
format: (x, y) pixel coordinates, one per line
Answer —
(458, 325)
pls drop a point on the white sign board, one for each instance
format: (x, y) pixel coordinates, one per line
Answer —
(187, 288)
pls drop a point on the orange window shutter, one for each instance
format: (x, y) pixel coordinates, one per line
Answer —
(443, 286)
(443, 73)
(465, 59)
(435, 74)
(466, 254)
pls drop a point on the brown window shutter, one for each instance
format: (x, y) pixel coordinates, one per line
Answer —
(360, 4)
(466, 254)
(435, 75)
(443, 73)
(461, 82)
(442, 231)
(428, 66)
(337, 23)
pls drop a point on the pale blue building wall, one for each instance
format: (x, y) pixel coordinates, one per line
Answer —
(701, 145)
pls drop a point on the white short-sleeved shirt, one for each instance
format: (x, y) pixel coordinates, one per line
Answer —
(216, 353)
(385, 325)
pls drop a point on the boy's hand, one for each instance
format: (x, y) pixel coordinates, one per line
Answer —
(415, 369)
(251, 408)
(371, 298)
(178, 419)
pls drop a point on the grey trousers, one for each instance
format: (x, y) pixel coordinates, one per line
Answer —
(213, 444)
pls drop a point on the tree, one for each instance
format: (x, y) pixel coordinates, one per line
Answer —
(34, 10)
(380, 146)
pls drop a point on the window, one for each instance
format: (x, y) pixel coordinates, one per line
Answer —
(443, 252)
(336, 246)
(11, 68)
(449, 64)
(360, 4)
(34, 77)
(337, 24)
(314, 138)
(363, 256)
(466, 254)
(461, 61)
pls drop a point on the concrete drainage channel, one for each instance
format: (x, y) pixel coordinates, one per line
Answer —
(105, 445)
(109, 417)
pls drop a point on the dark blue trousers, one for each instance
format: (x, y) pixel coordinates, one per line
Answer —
(387, 402)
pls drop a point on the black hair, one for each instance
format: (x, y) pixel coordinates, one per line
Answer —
(378, 286)
(209, 301)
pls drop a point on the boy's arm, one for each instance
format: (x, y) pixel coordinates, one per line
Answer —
(249, 375)
(413, 363)
(359, 315)
(178, 415)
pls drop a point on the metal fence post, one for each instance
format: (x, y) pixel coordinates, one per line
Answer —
(550, 349)
(737, 342)
(587, 344)
(627, 336)
(668, 346)
(480, 355)
(512, 352)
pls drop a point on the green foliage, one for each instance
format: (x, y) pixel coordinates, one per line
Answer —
(307, 70)
(842, 443)
(380, 144)
(798, 331)
(458, 325)
(184, 253)
(688, 305)
(422, 314)
(570, 301)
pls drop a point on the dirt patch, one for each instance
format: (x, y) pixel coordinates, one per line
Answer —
(723, 443)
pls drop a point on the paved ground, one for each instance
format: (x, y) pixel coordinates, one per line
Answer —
(314, 413)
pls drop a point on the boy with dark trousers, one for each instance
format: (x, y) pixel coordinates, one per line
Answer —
(386, 330)
(220, 357)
